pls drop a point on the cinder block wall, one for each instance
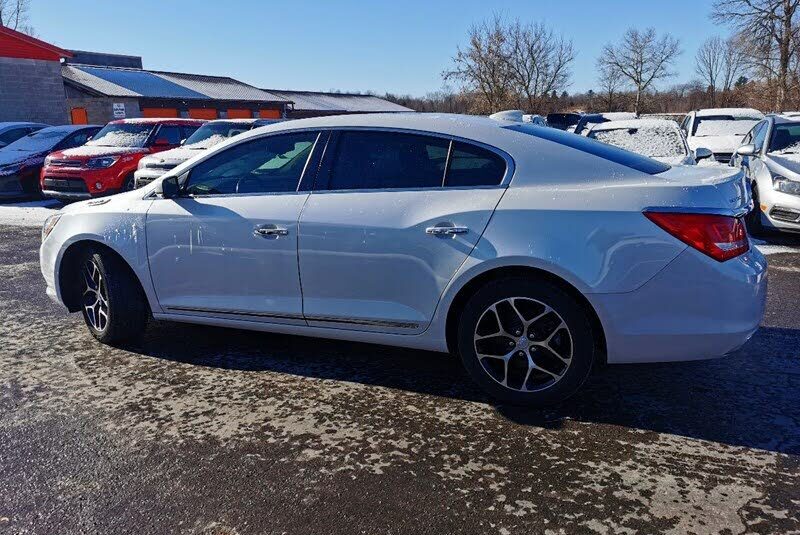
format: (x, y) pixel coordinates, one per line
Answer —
(100, 110)
(32, 90)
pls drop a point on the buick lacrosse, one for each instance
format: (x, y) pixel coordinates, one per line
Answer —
(531, 253)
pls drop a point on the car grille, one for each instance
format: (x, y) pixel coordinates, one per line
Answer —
(65, 163)
(71, 185)
(784, 214)
(159, 165)
(723, 157)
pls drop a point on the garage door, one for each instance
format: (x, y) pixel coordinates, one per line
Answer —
(79, 116)
(202, 113)
(269, 114)
(235, 113)
(159, 112)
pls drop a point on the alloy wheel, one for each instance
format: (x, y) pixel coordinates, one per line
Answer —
(523, 344)
(95, 297)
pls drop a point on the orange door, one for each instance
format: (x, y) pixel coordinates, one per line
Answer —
(79, 116)
(235, 113)
(202, 113)
(269, 114)
(155, 113)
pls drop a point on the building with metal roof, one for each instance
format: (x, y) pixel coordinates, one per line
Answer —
(316, 103)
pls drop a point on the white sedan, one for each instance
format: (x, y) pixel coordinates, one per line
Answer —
(532, 253)
(659, 139)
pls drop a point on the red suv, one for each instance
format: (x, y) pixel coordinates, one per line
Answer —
(105, 165)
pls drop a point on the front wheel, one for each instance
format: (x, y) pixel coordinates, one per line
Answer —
(526, 341)
(753, 218)
(113, 306)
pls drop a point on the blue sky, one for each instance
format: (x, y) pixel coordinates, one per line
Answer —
(401, 47)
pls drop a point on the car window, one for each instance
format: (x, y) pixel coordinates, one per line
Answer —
(785, 139)
(271, 164)
(759, 134)
(187, 131)
(77, 139)
(386, 160)
(171, 133)
(474, 166)
(10, 136)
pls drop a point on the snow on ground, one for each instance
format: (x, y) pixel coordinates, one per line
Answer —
(28, 214)
(767, 248)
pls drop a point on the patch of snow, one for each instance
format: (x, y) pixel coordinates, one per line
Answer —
(87, 150)
(734, 112)
(724, 127)
(28, 214)
(767, 248)
(662, 140)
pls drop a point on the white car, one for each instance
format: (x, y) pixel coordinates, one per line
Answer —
(770, 158)
(153, 166)
(659, 139)
(719, 129)
(532, 253)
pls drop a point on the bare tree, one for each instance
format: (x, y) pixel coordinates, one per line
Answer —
(482, 66)
(642, 58)
(14, 15)
(710, 63)
(538, 62)
(610, 87)
(770, 30)
(734, 66)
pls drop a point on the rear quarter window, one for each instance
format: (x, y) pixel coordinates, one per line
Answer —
(595, 148)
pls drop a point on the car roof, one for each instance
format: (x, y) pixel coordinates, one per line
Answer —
(68, 128)
(159, 120)
(12, 124)
(735, 112)
(784, 119)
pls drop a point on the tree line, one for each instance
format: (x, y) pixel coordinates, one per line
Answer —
(526, 65)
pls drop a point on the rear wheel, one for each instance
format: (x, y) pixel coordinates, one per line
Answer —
(526, 341)
(129, 183)
(113, 305)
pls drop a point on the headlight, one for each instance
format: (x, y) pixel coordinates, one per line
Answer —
(48, 160)
(784, 185)
(101, 163)
(49, 225)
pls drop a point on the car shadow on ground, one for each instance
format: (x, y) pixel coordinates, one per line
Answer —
(747, 399)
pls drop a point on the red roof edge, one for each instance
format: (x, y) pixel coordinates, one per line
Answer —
(35, 42)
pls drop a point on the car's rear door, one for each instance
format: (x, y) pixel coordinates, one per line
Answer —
(383, 231)
(227, 246)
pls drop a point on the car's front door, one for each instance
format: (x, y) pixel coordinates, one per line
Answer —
(384, 232)
(227, 246)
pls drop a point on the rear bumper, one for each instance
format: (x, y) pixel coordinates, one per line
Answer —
(696, 308)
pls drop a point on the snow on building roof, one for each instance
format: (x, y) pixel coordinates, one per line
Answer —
(735, 112)
(124, 82)
(337, 102)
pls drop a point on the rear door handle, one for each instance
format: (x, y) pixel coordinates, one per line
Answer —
(270, 230)
(446, 230)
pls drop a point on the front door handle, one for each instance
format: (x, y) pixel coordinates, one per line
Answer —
(446, 230)
(270, 230)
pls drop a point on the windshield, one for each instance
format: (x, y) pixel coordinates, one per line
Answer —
(785, 139)
(122, 135)
(723, 125)
(591, 146)
(38, 141)
(210, 134)
(655, 142)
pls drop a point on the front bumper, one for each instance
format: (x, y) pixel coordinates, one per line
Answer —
(780, 210)
(11, 187)
(146, 175)
(695, 308)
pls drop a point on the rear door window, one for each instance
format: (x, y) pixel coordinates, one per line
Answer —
(471, 165)
(171, 133)
(386, 160)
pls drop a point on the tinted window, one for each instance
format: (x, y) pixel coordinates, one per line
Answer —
(266, 165)
(595, 148)
(78, 138)
(759, 133)
(9, 136)
(187, 131)
(785, 139)
(171, 133)
(383, 160)
(474, 166)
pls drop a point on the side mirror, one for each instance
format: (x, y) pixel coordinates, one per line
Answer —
(701, 153)
(746, 150)
(183, 142)
(168, 187)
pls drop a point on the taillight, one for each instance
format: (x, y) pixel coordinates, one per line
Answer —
(720, 237)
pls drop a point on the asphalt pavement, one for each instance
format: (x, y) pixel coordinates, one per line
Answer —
(200, 430)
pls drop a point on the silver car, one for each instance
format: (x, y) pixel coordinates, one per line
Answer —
(531, 253)
(770, 158)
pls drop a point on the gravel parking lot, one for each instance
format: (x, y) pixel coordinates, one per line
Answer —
(214, 431)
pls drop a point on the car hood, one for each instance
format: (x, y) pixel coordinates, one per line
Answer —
(91, 151)
(716, 143)
(173, 156)
(14, 158)
(787, 164)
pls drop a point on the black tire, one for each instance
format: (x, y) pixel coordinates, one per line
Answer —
(753, 218)
(128, 184)
(532, 292)
(126, 309)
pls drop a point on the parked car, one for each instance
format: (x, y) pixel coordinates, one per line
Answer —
(22, 160)
(205, 137)
(497, 241)
(656, 138)
(106, 164)
(518, 116)
(770, 158)
(590, 119)
(532, 118)
(563, 121)
(719, 129)
(12, 131)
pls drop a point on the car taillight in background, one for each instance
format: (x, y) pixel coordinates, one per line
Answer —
(718, 236)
